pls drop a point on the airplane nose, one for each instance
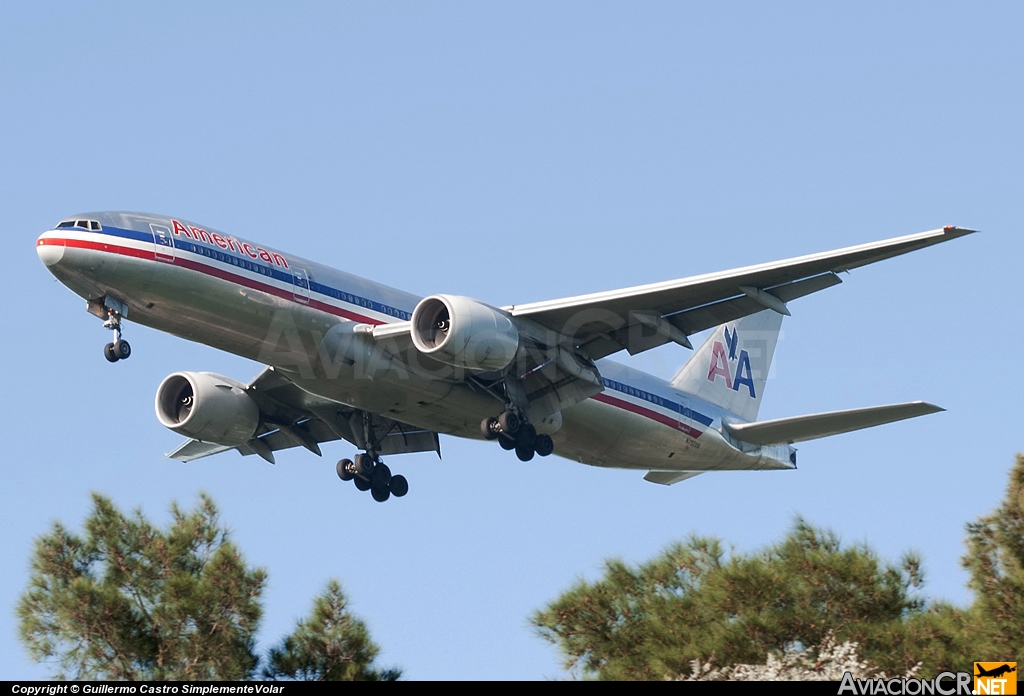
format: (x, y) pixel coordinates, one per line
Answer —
(50, 250)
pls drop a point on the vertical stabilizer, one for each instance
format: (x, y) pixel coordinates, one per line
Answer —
(731, 367)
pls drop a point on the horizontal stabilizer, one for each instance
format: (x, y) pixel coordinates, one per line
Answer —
(801, 428)
(194, 449)
(667, 478)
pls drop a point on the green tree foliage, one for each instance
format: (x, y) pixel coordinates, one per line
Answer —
(130, 601)
(995, 560)
(331, 645)
(693, 603)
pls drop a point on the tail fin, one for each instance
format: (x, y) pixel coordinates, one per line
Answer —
(731, 367)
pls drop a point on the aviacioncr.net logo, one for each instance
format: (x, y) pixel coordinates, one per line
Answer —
(945, 684)
(995, 678)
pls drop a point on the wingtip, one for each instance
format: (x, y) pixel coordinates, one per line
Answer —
(952, 231)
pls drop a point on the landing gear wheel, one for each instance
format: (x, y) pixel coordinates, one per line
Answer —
(122, 349)
(381, 476)
(489, 428)
(544, 445)
(506, 443)
(526, 435)
(380, 494)
(509, 423)
(399, 486)
(363, 466)
(361, 483)
(524, 452)
(118, 349)
(344, 469)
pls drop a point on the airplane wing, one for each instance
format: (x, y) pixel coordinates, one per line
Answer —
(561, 339)
(291, 417)
(647, 316)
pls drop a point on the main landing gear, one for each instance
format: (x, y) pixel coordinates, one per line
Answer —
(369, 473)
(120, 348)
(516, 433)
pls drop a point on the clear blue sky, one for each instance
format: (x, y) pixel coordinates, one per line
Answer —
(515, 152)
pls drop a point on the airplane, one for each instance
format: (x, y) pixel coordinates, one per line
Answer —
(350, 359)
(995, 671)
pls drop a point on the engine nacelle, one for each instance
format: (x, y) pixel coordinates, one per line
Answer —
(465, 333)
(207, 407)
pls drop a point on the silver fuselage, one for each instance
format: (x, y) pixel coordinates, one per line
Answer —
(281, 310)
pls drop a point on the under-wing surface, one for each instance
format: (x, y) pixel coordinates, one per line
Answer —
(350, 359)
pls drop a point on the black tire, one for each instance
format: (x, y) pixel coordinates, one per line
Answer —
(361, 483)
(544, 445)
(509, 423)
(489, 428)
(344, 469)
(380, 494)
(109, 354)
(122, 349)
(399, 486)
(381, 476)
(524, 452)
(363, 465)
(527, 434)
(506, 443)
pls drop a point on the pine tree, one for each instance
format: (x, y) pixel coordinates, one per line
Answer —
(995, 560)
(130, 601)
(331, 645)
(691, 603)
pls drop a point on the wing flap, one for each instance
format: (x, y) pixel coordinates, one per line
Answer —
(404, 441)
(812, 427)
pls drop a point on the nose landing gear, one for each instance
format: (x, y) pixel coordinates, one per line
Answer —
(114, 311)
(118, 350)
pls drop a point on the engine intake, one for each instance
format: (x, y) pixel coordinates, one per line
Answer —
(207, 407)
(465, 333)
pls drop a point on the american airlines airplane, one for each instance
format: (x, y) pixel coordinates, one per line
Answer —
(348, 358)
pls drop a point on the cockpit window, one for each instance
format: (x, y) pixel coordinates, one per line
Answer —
(84, 224)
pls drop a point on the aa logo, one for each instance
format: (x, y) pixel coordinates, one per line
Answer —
(721, 361)
(995, 677)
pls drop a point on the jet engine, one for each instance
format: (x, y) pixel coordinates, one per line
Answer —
(465, 333)
(207, 407)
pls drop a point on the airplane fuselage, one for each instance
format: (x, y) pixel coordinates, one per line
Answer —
(304, 319)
